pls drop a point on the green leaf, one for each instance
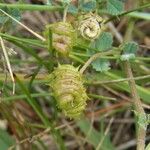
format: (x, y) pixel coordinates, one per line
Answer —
(114, 7)
(101, 65)
(104, 42)
(5, 140)
(89, 6)
(129, 49)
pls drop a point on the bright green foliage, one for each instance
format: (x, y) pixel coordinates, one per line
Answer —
(67, 84)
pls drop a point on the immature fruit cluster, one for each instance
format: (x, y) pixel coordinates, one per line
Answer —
(63, 37)
(69, 92)
(90, 26)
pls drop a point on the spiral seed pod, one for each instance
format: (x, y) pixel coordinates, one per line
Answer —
(90, 26)
(69, 92)
(63, 37)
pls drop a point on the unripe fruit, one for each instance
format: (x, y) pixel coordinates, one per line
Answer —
(67, 85)
(63, 37)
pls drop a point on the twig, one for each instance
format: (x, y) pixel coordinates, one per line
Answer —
(24, 26)
(35, 137)
(65, 13)
(8, 63)
(94, 57)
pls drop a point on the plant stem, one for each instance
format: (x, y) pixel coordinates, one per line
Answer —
(24, 26)
(94, 57)
(141, 133)
(65, 13)
(118, 80)
(31, 7)
(127, 12)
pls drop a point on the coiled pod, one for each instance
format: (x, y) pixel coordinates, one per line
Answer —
(63, 37)
(67, 85)
(90, 26)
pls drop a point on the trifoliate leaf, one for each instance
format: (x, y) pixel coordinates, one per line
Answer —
(130, 47)
(101, 65)
(89, 6)
(114, 7)
(129, 50)
(104, 42)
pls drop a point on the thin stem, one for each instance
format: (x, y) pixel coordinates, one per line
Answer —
(8, 63)
(94, 57)
(65, 13)
(119, 80)
(127, 12)
(36, 136)
(23, 96)
(31, 7)
(105, 133)
(24, 26)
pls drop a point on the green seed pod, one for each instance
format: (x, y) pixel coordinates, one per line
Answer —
(90, 26)
(63, 37)
(67, 85)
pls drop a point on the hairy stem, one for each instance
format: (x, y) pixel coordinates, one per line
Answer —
(141, 132)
